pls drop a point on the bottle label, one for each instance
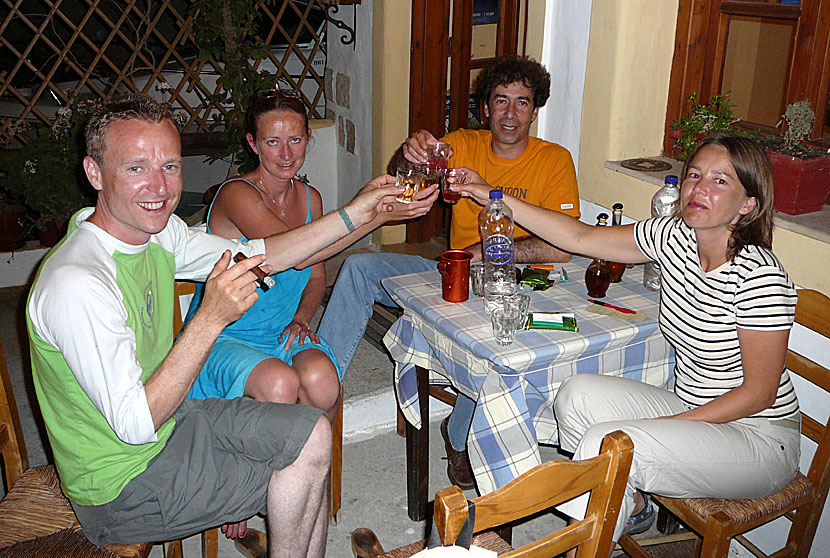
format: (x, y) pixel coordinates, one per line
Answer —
(498, 249)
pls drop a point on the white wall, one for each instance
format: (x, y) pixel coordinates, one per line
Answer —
(321, 165)
(355, 62)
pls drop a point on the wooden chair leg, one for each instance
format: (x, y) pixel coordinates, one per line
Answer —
(210, 543)
(632, 547)
(336, 473)
(667, 524)
(714, 545)
(173, 549)
(417, 454)
(401, 424)
(506, 533)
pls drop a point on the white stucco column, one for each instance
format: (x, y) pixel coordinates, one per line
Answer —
(564, 54)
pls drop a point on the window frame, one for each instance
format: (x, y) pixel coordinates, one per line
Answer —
(700, 51)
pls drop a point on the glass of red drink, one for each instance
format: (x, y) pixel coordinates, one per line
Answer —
(438, 155)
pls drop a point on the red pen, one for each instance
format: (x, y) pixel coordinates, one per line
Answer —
(617, 308)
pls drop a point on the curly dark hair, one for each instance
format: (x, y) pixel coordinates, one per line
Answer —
(510, 69)
(129, 107)
(754, 170)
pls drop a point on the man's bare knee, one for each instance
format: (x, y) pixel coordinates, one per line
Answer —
(317, 450)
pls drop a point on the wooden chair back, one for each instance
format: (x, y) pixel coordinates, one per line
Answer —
(812, 312)
(180, 289)
(718, 520)
(15, 458)
(543, 487)
(209, 537)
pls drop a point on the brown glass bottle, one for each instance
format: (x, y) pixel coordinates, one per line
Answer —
(617, 268)
(598, 274)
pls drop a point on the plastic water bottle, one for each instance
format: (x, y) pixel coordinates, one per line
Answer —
(495, 222)
(664, 204)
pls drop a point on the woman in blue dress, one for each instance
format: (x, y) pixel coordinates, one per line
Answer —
(270, 353)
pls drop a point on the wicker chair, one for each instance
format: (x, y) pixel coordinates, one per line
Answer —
(35, 517)
(717, 521)
(535, 491)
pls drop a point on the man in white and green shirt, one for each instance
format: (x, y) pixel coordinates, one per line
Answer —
(136, 460)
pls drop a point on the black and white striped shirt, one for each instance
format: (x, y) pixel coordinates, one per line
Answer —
(701, 311)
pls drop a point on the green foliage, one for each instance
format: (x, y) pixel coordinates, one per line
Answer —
(225, 31)
(710, 118)
(799, 117)
(46, 175)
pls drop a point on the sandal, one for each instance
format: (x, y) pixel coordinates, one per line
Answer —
(253, 545)
(365, 543)
(640, 522)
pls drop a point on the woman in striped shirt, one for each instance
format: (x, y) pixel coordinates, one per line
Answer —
(729, 428)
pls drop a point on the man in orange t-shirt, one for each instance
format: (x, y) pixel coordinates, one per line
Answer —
(511, 91)
(533, 170)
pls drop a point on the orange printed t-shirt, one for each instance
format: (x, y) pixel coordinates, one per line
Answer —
(542, 175)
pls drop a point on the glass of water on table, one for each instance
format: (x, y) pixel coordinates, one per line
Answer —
(503, 318)
(507, 313)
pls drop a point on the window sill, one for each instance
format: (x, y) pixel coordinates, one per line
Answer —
(812, 225)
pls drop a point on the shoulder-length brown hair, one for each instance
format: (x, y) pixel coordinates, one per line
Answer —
(755, 173)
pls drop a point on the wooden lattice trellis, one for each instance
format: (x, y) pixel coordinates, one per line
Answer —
(54, 50)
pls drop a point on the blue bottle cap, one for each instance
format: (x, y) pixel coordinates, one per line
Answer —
(671, 179)
(496, 194)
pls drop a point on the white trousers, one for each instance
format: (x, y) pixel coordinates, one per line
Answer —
(747, 458)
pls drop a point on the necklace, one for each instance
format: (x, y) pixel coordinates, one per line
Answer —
(274, 201)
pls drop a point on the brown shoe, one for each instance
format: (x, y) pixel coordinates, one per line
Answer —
(458, 466)
(365, 543)
(253, 545)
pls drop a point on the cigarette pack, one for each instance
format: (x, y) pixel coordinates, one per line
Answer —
(565, 321)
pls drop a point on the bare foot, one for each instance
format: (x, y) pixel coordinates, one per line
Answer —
(235, 530)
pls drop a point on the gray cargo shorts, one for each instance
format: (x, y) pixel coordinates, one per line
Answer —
(214, 469)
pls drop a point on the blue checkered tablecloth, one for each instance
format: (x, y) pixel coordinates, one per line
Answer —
(514, 386)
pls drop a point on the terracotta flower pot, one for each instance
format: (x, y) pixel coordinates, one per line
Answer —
(11, 228)
(53, 232)
(801, 185)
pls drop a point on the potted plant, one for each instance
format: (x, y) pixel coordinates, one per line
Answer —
(225, 31)
(709, 118)
(46, 174)
(801, 172)
(12, 222)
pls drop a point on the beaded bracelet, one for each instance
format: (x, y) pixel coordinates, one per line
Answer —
(346, 220)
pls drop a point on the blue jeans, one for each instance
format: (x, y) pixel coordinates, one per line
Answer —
(350, 307)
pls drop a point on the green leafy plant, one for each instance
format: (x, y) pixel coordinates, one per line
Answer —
(225, 31)
(46, 174)
(709, 118)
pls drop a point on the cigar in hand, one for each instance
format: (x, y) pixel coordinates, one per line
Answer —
(262, 279)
